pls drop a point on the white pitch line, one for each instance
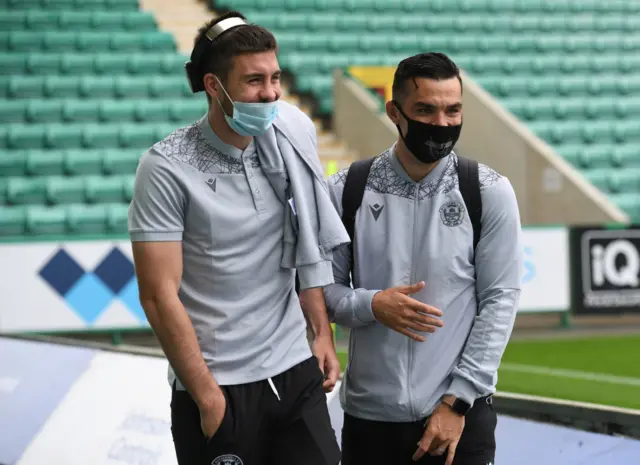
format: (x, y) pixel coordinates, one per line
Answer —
(574, 374)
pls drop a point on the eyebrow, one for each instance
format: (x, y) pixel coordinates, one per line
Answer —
(260, 75)
(430, 106)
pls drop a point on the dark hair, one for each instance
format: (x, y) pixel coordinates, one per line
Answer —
(433, 65)
(236, 41)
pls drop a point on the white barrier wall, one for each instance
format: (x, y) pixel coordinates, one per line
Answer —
(91, 285)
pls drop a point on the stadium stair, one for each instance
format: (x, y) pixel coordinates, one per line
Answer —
(570, 70)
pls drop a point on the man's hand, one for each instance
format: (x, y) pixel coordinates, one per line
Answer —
(212, 414)
(324, 350)
(444, 429)
(394, 308)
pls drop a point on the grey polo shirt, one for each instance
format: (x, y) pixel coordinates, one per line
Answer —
(215, 199)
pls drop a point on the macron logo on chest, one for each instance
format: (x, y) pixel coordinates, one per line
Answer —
(376, 209)
(211, 182)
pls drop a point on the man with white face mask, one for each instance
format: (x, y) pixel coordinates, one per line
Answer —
(225, 213)
(436, 264)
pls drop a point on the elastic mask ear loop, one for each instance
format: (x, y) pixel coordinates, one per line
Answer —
(225, 93)
(395, 104)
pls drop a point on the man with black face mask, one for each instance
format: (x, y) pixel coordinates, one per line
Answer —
(436, 263)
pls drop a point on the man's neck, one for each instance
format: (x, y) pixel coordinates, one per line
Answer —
(225, 133)
(415, 169)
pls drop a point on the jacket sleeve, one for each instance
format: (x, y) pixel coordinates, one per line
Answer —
(499, 262)
(346, 306)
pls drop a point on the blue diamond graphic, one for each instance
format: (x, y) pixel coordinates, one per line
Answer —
(61, 272)
(115, 271)
(131, 299)
(89, 297)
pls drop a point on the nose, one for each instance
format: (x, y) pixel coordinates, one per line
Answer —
(441, 119)
(270, 93)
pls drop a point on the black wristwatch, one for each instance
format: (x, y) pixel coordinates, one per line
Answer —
(459, 406)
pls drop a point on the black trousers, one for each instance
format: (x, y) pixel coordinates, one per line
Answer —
(259, 429)
(367, 442)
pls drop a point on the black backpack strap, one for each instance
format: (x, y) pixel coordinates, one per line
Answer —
(470, 189)
(353, 192)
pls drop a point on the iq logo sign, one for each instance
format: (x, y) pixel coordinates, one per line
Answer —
(91, 292)
(609, 270)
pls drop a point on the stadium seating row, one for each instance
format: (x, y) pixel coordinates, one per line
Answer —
(69, 162)
(394, 42)
(112, 5)
(448, 24)
(514, 86)
(112, 64)
(39, 21)
(69, 110)
(95, 87)
(587, 132)
(552, 64)
(26, 41)
(90, 136)
(57, 190)
(573, 108)
(63, 220)
(588, 157)
(436, 6)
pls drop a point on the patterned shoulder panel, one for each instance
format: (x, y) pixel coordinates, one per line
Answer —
(384, 180)
(339, 177)
(488, 177)
(188, 145)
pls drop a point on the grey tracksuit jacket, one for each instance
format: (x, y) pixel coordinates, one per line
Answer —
(408, 232)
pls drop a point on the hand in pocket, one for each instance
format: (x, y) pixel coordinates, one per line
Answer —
(212, 414)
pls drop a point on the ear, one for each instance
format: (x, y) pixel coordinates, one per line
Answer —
(392, 112)
(212, 86)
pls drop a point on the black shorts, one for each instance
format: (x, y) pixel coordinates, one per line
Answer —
(367, 442)
(259, 429)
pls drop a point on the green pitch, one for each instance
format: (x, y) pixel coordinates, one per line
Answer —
(599, 370)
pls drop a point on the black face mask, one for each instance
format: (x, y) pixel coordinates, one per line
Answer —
(428, 142)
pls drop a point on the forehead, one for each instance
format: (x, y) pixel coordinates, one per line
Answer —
(255, 63)
(445, 91)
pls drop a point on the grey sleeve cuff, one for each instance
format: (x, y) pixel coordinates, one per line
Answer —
(463, 389)
(363, 310)
(155, 236)
(316, 275)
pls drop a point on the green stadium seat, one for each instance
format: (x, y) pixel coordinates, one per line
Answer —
(80, 111)
(42, 220)
(169, 87)
(109, 189)
(25, 191)
(97, 136)
(12, 111)
(629, 202)
(114, 111)
(58, 41)
(120, 161)
(131, 87)
(12, 64)
(82, 162)
(151, 110)
(59, 87)
(25, 136)
(3, 191)
(12, 220)
(11, 164)
(75, 64)
(158, 41)
(137, 136)
(43, 163)
(64, 190)
(95, 87)
(117, 218)
(43, 111)
(12, 20)
(625, 156)
(58, 136)
(86, 219)
(188, 110)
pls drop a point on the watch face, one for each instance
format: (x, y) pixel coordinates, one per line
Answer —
(461, 406)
